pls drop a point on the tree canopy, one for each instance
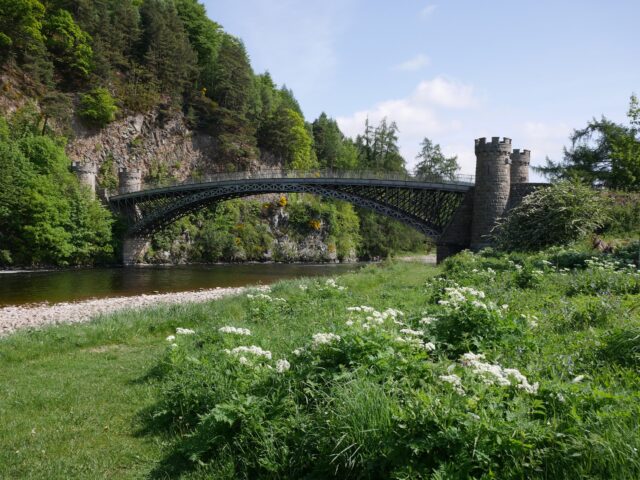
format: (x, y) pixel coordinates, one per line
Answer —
(433, 164)
(604, 153)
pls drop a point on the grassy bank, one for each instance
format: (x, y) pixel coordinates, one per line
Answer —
(490, 367)
(73, 397)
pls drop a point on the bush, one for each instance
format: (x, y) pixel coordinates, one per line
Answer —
(98, 107)
(557, 215)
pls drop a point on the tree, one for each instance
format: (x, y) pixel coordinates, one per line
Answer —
(205, 36)
(233, 77)
(286, 137)
(603, 153)
(433, 164)
(331, 147)
(167, 51)
(378, 148)
(69, 44)
(20, 26)
(98, 107)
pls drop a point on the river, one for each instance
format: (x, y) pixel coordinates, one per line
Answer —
(80, 284)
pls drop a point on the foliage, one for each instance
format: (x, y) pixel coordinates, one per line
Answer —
(457, 384)
(20, 26)
(611, 159)
(69, 44)
(98, 107)
(382, 236)
(47, 217)
(433, 164)
(555, 215)
(333, 150)
(285, 136)
(168, 53)
(378, 148)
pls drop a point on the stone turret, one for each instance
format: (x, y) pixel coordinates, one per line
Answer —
(520, 161)
(87, 173)
(493, 181)
(129, 180)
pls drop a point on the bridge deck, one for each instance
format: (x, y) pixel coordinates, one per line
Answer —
(459, 183)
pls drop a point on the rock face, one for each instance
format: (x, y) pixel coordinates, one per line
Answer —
(153, 141)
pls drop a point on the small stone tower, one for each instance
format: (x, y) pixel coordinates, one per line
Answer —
(520, 166)
(86, 173)
(493, 182)
(129, 180)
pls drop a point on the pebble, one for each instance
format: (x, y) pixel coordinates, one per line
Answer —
(13, 318)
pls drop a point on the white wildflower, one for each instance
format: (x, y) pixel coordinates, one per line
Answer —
(174, 345)
(235, 330)
(428, 320)
(493, 374)
(298, 351)
(354, 309)
(429, 346)
(303, 287)
(455, 381)
(349, 323)
(254, 350)
(578, 379)
(408, 331)
(243, 360)
(171, 338)
(282, 365)
(184, 331)
(324, 339)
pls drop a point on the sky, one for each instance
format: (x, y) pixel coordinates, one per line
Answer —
(449, 70)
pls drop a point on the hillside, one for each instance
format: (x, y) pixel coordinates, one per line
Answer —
(157, 85)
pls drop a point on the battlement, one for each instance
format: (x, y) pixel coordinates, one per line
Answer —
(130, 180)
(521, 156)
(86, 168)
(495, 145)
(130, 172)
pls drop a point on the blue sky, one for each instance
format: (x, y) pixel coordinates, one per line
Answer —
(451, 70)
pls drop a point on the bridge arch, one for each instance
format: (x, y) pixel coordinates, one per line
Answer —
(426, 206)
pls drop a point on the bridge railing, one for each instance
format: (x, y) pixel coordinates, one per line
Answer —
(310, 174)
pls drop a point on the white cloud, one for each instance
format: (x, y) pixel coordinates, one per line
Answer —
(428, 10)
(446, 93)
(413, 64)
(426, 112)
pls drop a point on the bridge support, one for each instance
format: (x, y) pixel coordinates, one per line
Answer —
(133, 248)
(86, 174)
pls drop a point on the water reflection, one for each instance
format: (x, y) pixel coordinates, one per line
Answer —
(72, 285)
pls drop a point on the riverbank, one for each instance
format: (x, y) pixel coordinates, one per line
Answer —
(13, 318)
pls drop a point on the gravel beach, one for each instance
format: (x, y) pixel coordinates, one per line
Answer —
(33, 316)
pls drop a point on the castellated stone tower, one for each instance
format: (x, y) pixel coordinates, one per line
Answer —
(86, 173)
(493, 183)
(130, 180)
(520, 166)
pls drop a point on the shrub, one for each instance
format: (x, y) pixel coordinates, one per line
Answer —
(557, 215)
(98, 107)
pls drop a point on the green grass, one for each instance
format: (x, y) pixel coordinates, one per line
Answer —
(74, 398)
(113, 399)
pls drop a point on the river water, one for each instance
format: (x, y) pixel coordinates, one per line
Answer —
(80, 284)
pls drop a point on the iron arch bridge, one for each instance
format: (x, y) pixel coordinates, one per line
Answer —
(426, 204)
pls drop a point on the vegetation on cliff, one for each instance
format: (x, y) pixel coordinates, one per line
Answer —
(101, 61)
(46, 216)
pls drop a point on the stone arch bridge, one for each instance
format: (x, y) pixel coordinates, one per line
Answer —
(456, 213)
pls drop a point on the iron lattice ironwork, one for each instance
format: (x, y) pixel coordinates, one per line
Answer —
(427, 206)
